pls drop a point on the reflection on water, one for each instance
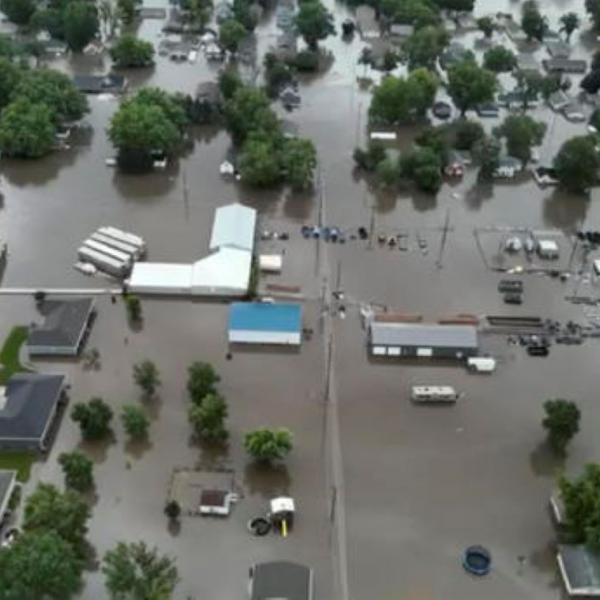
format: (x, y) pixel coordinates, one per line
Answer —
(267, 480)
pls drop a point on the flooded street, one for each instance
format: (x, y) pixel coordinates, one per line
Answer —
(419, 484)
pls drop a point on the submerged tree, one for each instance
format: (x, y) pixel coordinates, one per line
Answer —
(93, 418)
(314, 22)
(470, 85)
(208, 418)
(135, 421)
(146, 376)
(78, 470)
(268, 444)
(202, 380)
(561, 422)
(577, 164)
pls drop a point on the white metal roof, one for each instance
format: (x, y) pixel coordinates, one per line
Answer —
(233, 227)
(147, 276)
(226, 272)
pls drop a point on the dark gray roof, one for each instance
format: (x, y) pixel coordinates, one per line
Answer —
(580, 569)
(29, 403)
(64, 321)
(6, 480)
(566, 65)
(426, 336)
(281, 581)
(95, 84)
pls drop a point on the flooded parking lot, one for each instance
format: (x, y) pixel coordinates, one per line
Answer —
(419, 483)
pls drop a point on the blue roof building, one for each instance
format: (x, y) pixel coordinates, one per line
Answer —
(265, 323)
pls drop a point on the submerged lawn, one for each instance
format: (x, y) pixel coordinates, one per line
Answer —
(18, 461)
(9, 355)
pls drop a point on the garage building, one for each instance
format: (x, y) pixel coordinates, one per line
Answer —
(264, 323)
(423, 340)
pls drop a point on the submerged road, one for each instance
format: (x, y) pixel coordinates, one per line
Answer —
(332, 429)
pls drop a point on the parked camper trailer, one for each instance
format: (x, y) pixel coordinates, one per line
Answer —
(133, 251)
(433, 393)
(124, 236)
(111, 252)
(103, 262)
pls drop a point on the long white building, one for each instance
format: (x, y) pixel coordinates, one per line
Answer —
(224, 272)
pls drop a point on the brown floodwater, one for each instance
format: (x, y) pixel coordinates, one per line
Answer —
(418, 485)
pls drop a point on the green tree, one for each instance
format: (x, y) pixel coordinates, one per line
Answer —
(592, 7)
(65, 514)
(371, 157)
(135, 572)
(387, 173)
(532, 22)
(80, 22)
(26, 129)
(39, 565)
(199, 12)
(133, 305)
(135, 421)
(56, 91)
(398, 100)
(467, 133)
(470, 85)
(231, 33)
(307, 61)
(456, 6)
(202, 381)
(499, 60)
(260, 163)
(137, 130)
(577, 164)
(521, 133)
(561, 422)
(10, 75)
(126, 11)
(146, 376)
(208, 418)
(581, 499)
(172, 509)
(109, 17)
(18, 11)
(299, 160)
(78, 470)
(129, 52)
(267, 445)
(93, 418)
(424, 166)
(167, 102)
(249, 111)
(569, 22)
(487, 154)
(229, 83)
(424, 47)
(314, 22)
(486, 26)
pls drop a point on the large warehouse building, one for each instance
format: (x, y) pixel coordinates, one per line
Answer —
(265, 323)
(423, 340)
(224, 272)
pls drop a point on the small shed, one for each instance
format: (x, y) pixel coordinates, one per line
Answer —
(580, 570)
(215, 502)
(265, 323)
(558, 49)
(564, 65)
(270, 263)
(401, 31)
(547, 249)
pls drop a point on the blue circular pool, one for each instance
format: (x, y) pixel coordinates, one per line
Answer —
(477, 560)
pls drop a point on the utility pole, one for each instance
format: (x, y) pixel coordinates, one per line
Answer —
(444, 236)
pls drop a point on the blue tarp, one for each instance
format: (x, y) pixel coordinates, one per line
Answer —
(259, 316)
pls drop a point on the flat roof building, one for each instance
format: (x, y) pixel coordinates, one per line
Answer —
(28, 407)
(281, 580)
(233, 227)
(264, 323)
(580, 570)
(423, 340)
(65, 325)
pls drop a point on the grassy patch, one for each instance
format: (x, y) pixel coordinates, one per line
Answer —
(19, 461)
(9, 355)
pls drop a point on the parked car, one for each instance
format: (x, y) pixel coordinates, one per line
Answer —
(510, 285)
(538, 350)
(513, 298)
(442, 110)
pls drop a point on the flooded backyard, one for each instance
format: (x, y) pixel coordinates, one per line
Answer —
(407, 488)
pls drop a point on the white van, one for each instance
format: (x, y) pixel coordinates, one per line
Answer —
(433, 393)
(481, 364)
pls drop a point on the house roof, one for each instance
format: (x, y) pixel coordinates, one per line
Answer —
(281, 580)
(29, 402)
(224, 272)
(261, 316)
(208, 91)
(566, 65)
(233, 226)
(580, 569)
(423, 335)
(64, 322)
(558, 49)
(95, 84)
(402, 29)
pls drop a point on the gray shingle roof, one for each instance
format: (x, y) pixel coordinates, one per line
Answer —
(29, 404)
(426, 336)
(281, 580)
(64, 321)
